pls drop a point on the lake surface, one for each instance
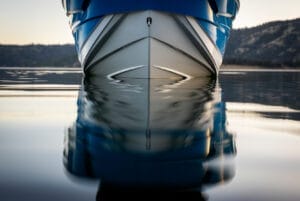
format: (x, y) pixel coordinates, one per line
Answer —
(67, 138)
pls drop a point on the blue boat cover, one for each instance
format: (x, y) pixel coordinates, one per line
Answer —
(190, 7)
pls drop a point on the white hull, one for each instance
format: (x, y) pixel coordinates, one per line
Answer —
(149, 44)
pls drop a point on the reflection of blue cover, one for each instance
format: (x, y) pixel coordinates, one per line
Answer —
(215, 16)
(181, 168)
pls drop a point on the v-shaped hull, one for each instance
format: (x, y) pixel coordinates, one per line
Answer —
(150, 44)
(151, 38)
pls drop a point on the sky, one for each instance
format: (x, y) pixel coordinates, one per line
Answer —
(44, 21)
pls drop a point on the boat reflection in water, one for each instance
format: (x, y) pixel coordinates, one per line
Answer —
(150, 135)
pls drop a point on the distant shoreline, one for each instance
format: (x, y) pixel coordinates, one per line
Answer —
(253, 67)
(41, 68)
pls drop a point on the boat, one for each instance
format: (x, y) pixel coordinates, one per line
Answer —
(151, 38)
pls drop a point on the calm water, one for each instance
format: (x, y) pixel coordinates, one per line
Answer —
(64, 138)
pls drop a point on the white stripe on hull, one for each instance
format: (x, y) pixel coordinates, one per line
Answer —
(93, 37)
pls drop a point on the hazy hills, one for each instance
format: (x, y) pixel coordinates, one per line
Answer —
(271, 44)
(38, 55)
